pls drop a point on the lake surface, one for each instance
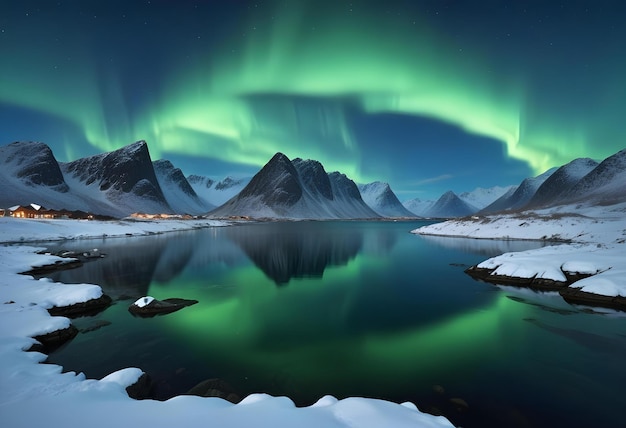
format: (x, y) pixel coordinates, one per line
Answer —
(305, 309)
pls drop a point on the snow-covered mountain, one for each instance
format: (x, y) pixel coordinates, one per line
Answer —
(124, 181)
(561, 181)
(418, 206)
(33, 163)
(177, 191)
(29, 173)
(383, 200)
(604, 185)
(450, 205)
(298, 189)
(521, 196)
(481, 197)
(115, 184)
(216, 192)
(123, 178)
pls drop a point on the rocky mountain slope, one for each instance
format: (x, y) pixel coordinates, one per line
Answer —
(450, 205)
(298, 189)
(383, 200)
(521, 196)
(177, 191)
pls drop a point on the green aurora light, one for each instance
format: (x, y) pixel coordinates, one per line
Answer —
(291, 78)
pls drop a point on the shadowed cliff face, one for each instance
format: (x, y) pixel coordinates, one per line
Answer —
(33, 163)
(276, 183)
(124, 170)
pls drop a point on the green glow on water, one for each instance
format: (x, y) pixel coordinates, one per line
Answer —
(308, 333)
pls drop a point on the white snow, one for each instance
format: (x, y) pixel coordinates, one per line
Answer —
(217, 192)
(25, 230)
(34, 394)
(481, 197)
(379, 197)
(598, 247)
(418, 206)
(144, 301)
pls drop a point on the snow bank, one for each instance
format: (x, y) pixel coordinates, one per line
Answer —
(28, 230)
(599, 244)
(34, 394)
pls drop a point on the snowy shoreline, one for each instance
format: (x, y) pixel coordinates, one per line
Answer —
(35, 394)
(588, 263)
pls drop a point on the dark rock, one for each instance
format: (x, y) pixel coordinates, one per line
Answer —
(50, 341)
(314, 177)
(571, 295)
(142, 389)
(88, 308)
(577, 296)
(215, 388)
(54, 267)
(159, 307)
(541, 284)
(460, 404)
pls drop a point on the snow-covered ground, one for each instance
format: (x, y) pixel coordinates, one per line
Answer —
(597, 235)
(34, 394)
(29, 230)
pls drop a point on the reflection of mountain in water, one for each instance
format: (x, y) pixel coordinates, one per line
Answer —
(282, 251)
(132, 264)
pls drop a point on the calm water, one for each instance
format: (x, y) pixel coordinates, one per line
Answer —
(351, 309)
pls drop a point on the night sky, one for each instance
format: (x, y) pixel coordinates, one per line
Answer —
(427, 95)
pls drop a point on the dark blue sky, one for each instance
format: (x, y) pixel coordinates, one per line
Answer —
(429, 96)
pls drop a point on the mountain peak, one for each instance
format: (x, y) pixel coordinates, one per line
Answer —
(279, 158)
(314, 177)
(450, 205)
(121, 174)
(297, 189)
(33, 162)
(276, 183)
(379, 196)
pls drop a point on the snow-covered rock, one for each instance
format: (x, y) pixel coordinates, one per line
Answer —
(598, 248)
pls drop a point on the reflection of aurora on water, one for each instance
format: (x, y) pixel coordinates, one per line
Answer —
(388, 324)
(269, 345)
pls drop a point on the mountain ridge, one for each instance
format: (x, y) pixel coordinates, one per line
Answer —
(297, 189)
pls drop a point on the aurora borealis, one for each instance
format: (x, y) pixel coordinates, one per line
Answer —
(427, 95)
